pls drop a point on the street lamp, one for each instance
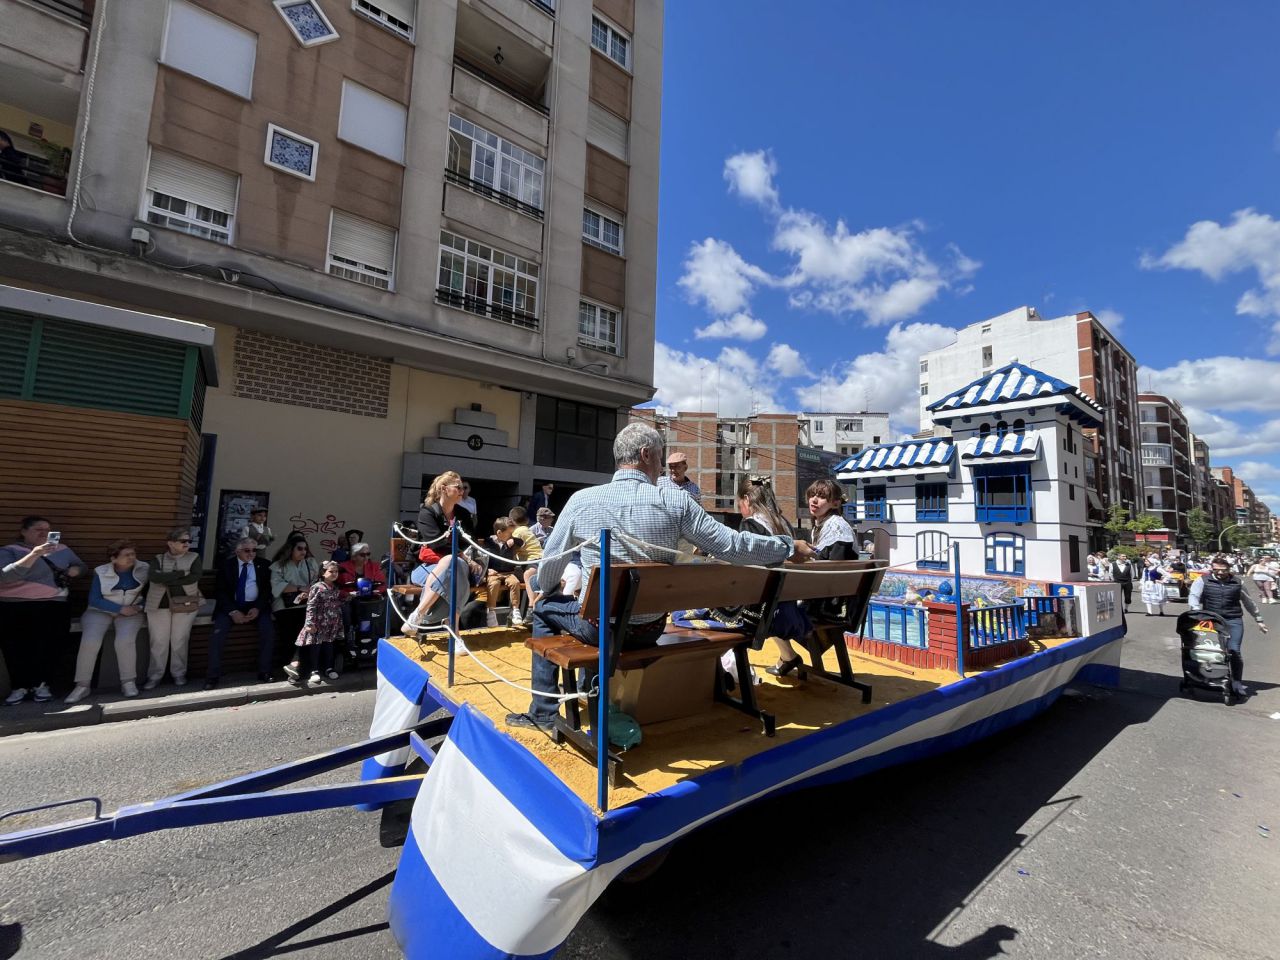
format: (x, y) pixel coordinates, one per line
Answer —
(1243, 523)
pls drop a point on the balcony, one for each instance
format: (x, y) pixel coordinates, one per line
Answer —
(491, 97)
(1157, 455)
(509, 42)
(484, 308)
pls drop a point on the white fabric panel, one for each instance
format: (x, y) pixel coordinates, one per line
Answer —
(362, 241)
(208, 47)
(606, 131)
(372, 121)
(191, 181)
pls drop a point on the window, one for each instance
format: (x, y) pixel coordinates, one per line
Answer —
(924, 389)
(192, 197)
(1020, 427)
(986, 329)
(984, 430)
(987, 354)
(598, 326)
(1073, 553)
(574, 435)
(306, 21)
(1071, 491)
(395, 15)
(601, 230)
(875, 439)
(817, 426)
(495, 167)
(372, 121)
(933, 550)
(208, 47)
(874, 506)
(1002, 493)
(931, 501)
(854, 426)
(1002, 429)
(361, 250)
(483, 280)
(1006, 553)
(924, 366)
(607, 131)
(291, 153)
(611, 41)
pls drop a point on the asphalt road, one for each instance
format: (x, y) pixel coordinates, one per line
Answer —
(1118, 824)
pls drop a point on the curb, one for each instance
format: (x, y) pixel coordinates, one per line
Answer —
(116, 711)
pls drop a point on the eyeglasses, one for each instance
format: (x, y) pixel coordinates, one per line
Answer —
(188, 540)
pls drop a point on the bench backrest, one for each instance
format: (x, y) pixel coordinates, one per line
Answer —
(813, 581)
(663, 587)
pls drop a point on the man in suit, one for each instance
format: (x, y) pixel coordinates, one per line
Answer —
(243, 595)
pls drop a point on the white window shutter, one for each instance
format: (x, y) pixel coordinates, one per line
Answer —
(606, 131)
(194, 182)
(363, 241)
(208, 47)
(370, 120)
(402, 10)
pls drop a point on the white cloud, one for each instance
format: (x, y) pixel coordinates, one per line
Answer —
(750, 175)
(1264, 479)
(888, 379)
(1250, 242)
(1229, 440)
(1113, 320)
(1219, 383)
(730, 384)
(785, 361)
(740, 326)
(717, 276)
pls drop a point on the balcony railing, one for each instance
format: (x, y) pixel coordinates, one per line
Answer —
(1002, 623)
(897, 623)
(482, 188)
(506, 88)
(71, 9)
(484, 308)
(1157, 456)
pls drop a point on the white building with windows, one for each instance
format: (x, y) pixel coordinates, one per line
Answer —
(844, 433)
(1007, 485)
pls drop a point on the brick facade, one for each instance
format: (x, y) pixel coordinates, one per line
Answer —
(280, 370)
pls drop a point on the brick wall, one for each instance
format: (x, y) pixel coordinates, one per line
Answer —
(941, 653)
(280, 370)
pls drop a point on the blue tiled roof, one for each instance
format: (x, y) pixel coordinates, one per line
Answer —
(1012, 446)
(1011, 382)
(910, 456)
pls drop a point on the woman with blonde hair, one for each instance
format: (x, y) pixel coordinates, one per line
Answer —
(173, 601)
(441, 509)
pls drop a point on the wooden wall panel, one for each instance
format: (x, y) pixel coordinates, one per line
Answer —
(604, 277)
(610, 85)
(608, 179)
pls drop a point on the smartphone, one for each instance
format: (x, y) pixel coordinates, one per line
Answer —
(55, 536)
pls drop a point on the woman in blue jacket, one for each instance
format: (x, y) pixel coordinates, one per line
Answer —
(115, 599)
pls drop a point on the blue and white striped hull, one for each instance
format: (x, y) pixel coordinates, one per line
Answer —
(502, 859)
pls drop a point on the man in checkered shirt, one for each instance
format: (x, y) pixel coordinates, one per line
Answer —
(631, 504)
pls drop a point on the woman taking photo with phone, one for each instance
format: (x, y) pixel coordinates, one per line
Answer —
(172, 604)
(35, 618)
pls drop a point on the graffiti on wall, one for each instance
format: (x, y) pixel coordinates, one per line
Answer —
(330, 527)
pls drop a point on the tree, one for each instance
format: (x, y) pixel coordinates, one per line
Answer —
(1117, 522)
(1144, 523)
(1199, 526)
(1238, 537)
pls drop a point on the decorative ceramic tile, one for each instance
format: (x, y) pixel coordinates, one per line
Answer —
(307, 21)
(291, 153)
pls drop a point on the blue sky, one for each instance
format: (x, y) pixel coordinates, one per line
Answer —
(845, 183)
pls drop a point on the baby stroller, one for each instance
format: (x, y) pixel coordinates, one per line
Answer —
(368, 617)
(1205, 662)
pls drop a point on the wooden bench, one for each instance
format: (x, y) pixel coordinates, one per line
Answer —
(648, 589)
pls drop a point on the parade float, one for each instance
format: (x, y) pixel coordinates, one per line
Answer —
(514, 833)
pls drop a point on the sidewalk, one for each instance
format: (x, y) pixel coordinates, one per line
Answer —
(111, 707)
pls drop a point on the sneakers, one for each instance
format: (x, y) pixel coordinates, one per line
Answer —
(151, 684)
(76, 695)
(17, 695)
(516, 619)
(491, 618)
(522, 721)
(291, 671)
(179, 681)
(314, 680)
(43, 694)
(129, 688)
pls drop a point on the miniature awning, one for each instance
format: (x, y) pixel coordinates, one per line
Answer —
(994, 448)
(912, 456)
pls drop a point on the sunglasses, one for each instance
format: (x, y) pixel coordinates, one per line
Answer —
(187, 540)
(363, 553)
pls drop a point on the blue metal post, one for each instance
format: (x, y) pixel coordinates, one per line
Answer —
(602, 701)
(962, 628)
(453, 593)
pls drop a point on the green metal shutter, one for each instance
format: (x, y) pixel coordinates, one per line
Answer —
(85, 366)
(15, 340)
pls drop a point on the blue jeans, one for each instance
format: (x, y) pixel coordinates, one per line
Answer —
(1235, 644)
(557, 614)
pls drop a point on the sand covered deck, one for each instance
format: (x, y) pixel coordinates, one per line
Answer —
(672, 750)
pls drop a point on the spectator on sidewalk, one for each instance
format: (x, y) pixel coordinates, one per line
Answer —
(293, 571)
(361, 566)
(546, 523)
(258, 531)
(322, 628)
(115, 601)
(243, 595)
(173, 602)
(35, 618)
(342, 552)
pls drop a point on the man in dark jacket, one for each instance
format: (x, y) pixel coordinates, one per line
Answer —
(1122, 573)
(243, 595)
(1223, 594)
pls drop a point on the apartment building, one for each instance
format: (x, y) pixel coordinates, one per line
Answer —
(844, 433)
(1078, 349)
(1168, 462)
(359, 242)
(723, 451)
(1247, 509)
